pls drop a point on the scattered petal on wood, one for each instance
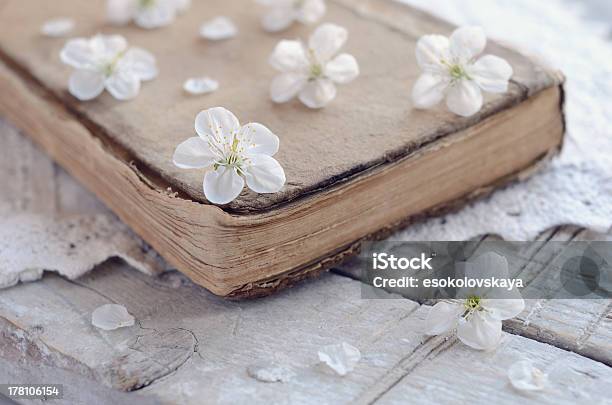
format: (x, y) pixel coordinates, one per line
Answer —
(270, 372)
(342, 357)
(524, 376)
(219, 28)
(200, 85)
(111, 317)
(58, 27)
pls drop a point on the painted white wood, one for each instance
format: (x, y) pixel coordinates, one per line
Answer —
(463, 376)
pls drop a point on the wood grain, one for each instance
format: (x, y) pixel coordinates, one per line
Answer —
(188, 344)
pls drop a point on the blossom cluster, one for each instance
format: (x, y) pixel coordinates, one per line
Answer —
(309, 71)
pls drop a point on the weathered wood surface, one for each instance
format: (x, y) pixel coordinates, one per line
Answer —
(583, 326)
(458, 375)
(188, 344)
(580, 325)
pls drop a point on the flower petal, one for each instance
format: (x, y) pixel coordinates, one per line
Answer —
(216, 122)
(107, 47)
(86, 84)
(200, 85)
(326, 41)
(182, 5)
(120, 12)
(428, 90)
(311, 11)
(491, 73)
(289, 56)
(480, 331)
(486, 266)
(140, 62)
(218, 29)
(77, 54)
(342, 69)
(223, 185)
(194, 153)
(57, 27)
(431, 50)
(467, 43)
(318, 93)
(442, 317)
(111, 317)
(464, 98)
(503, 308)
(341, 358)
(278, 18)
(286, 86)
(262, 140)
(524, 376)
(123, 85)
(265, 174)
(162, 13)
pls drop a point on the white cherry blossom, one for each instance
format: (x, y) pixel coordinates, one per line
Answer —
(106, 62)
(145, 13)
(280, 14)
(231, 155)
(312, 71)
(452, 70)
(478, 319)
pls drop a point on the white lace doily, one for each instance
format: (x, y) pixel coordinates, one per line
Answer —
(48, 222)
(576, 189)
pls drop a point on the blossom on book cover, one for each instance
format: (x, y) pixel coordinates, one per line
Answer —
(311, 71)
(106, 62)
(145, 13)
(280, 14)
(231, 155)
(453, 71)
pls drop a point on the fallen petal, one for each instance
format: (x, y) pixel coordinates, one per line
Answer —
(270, 372)
(524, 376)
(58, 27)
(111, 317)
(219, 28)
(200, 85)
(342, 357)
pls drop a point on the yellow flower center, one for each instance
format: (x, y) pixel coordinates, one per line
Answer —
(146, 3)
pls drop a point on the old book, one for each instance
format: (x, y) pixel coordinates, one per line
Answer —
(360, 168)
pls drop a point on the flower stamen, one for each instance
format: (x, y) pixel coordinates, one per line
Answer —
(146, 3)
(471, 305)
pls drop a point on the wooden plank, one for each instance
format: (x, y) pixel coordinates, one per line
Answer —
(185, 335)
(583, 326)
(188, 344)
(460, 375)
